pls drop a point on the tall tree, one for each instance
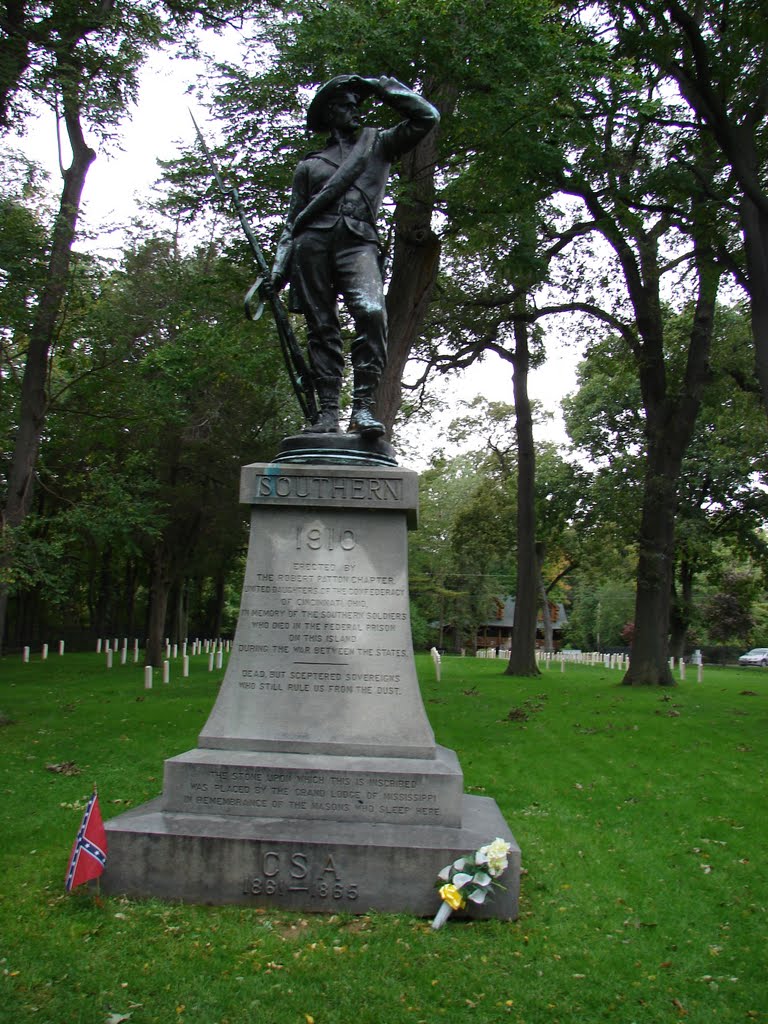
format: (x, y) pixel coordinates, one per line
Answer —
(82, 60)
(646, 191)
(720, 490)
(717, 54)
(644, 179)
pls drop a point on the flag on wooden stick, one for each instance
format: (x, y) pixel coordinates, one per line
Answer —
(89, 854)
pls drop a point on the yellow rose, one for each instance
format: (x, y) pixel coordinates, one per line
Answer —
(452, 897)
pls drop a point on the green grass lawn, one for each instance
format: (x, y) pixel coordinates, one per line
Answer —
(641, 815)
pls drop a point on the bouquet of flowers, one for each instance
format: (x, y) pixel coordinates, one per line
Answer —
(470, 878)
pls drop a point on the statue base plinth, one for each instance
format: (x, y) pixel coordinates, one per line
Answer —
(316, 783)
(336, 450)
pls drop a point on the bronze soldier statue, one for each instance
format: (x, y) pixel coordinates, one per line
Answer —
(330, 246)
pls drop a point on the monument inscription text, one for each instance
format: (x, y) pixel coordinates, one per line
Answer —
(323, 641)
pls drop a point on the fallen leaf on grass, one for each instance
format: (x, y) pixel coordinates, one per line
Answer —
(65, 768)
(748, 693)
(290, 932)
(117, 1018)
(679, 1007)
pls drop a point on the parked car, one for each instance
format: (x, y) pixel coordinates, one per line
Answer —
(757, 656)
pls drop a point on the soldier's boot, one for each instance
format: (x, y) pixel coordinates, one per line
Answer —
(363, 399)
(327, 419)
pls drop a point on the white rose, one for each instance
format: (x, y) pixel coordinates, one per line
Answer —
(496, 855)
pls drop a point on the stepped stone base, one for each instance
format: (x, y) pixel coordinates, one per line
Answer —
(321, 866)
(401, 790)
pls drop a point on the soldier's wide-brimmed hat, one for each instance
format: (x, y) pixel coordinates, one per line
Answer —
(318, 109)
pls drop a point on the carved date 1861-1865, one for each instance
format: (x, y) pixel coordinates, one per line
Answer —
(282, 874)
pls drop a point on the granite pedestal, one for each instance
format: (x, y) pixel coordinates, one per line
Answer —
(316, 784)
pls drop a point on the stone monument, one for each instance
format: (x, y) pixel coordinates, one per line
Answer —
(316, 784)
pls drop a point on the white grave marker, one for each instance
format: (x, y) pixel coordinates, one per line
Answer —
(436, 662)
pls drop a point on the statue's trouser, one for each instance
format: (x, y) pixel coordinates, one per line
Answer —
(333, 263)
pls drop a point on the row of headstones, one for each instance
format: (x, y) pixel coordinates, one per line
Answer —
(545, 658)
(215, 659)
(171, 650)
(215, 650)
(26, 651)
(609, 661)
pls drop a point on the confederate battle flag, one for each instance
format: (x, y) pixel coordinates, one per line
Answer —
(89, 854)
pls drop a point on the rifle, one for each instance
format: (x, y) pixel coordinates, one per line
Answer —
(298, 372)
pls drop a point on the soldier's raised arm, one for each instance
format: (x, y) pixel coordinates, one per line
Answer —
(420, 116)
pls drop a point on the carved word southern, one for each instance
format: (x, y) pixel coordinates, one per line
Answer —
(368, 489)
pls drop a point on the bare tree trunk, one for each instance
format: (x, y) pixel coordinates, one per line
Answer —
(415, 261)
(103, 618)
(670, 421)
(649, 664)
(546, 617)
(129, 599)
(159, 589)
(218, 608)
(680, 612)
(755, 228)
(522, 655)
